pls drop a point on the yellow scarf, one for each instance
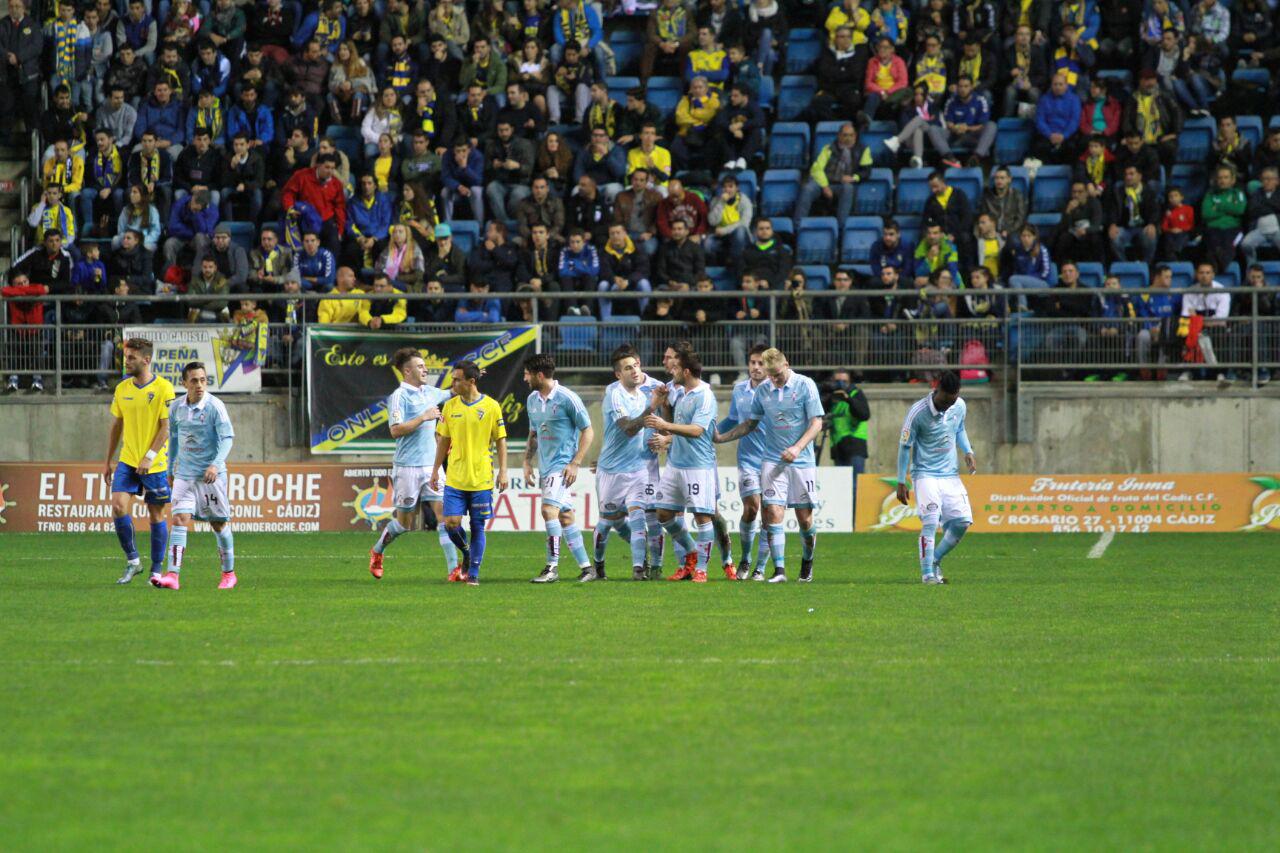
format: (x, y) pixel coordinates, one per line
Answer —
(1149, 118)
(991, 256)
(620, 253)
(1024, 13)
(731, 215)
(1097, 168)
(972, 67)
(944, 198)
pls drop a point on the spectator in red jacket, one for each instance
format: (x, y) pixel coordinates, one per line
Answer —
(318, 187)
(682, 204)
(1100, 113)
(886, 81)
(25, 346)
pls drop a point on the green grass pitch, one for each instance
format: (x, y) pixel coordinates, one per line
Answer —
(1042, 700)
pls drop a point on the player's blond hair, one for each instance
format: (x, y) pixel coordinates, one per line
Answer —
(773, 358)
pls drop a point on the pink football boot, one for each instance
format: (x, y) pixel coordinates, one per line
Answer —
(228, 580)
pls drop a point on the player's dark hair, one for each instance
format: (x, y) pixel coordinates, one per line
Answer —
(949, 381)
(681, 346)
(403, 355)
(141, 346)
(190, 366)
(689, 361)
(470, 370)
(542, 363)
(758, 349)
(624, 351)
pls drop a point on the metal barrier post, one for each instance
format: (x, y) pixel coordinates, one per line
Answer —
(1253, 324)
(773, 319)
(57, 351)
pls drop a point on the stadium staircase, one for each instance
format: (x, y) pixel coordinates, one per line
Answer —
(15, 168)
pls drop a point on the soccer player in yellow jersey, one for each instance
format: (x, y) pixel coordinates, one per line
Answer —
(140, 412)
(472, 435)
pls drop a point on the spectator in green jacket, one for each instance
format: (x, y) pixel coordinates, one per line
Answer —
(1223, 212)
(841, 165)
(847, 423)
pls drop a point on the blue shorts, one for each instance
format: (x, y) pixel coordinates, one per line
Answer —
(154, 488)
(458, 502)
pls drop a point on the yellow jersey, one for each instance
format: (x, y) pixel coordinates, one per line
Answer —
(472, 429)
(661, 161)
(142, 408)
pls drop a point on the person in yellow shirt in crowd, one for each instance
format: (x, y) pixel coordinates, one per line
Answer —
(333, 310)
(694, 115)
(651, 156)
(848, 13)
(384, 309)
(63, 169)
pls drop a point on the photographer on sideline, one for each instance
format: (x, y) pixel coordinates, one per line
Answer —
(847, 418)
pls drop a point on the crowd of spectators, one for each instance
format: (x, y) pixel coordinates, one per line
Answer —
(222, 147)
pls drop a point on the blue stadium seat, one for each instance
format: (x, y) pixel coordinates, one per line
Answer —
(794, 94)
(1091, 274)
(789, 145)
(1131, 273)
(1020, 179)
(784, 228)
(1123, 76)
(824, 133)
(620, 329)
(880, 156)
(910, 228)
(967, 180)
(1051, 188)
(818, 240)
(1271, 272)
(1184, 273)
(1192, 180)
(816, 277)
(746, 184)
(626, 53)
(1230, 277)
(767, 93)
(578, 334)
(348, 141)
(860, 232)
(721, 277)
(466, 233)
(875, 194)
(804, 46)
(1046, 222)
(1196, 139)
(778, 192)
(1251, 129)
(913, 190)
(243, 234)
(1260, 77)
(618, 87)
(1013, 140)
(664, 93)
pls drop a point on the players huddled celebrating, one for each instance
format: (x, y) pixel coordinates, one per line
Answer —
(175, 450)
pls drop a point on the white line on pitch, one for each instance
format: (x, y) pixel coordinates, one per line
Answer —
(1100, 547)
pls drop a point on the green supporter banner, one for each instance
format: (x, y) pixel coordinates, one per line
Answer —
(350, 376)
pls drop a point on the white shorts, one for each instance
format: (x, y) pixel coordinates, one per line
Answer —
(687, 488)
(942, 499)
(555, 492)
(789, 486)
(748, 482)
(653, 477)
(411, 485)
(204, 501)
(616, 493)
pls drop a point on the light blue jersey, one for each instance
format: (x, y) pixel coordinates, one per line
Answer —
(557, 421)
(695, 407)
(786, 412)
(199, 436)
(647, 387)
(622, 453)
(750, 446)
(931, 437)
(418, 448)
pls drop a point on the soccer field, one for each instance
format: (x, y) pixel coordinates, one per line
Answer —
(1043, 699)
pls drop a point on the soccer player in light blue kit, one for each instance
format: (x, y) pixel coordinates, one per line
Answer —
(624, 487)
(200, 439)
(934, 428)
(689, 480)
(750, 460)
(560, 433)
(412, 412)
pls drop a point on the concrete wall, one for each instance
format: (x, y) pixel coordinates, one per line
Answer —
(1105, 428)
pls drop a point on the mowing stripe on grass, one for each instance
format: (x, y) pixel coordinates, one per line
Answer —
(1100, 547)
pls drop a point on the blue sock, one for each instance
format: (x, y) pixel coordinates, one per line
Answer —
(721, 529)
(747, 533)
(706, 538)
(573, 538)
(159, 542)
(927, 534)
(777, 544)
(392, 529)
(952, 533)
(681, 541)
(554, 532)
(124, 532)
(177, 547)
(654, 537)
(226, 549)
(762, 550)
(639, 537)
(809, 540)
(449, 549)
(601, 538)
(456, 536)
(623, 528)
(477, 544)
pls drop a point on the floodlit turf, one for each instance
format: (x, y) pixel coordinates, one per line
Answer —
(1043, 699)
